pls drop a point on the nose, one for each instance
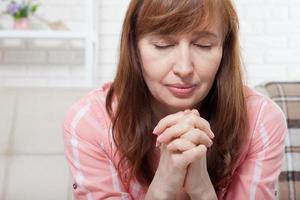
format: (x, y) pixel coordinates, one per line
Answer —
(183, 66)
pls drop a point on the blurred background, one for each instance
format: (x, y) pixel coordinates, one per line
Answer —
(270, 38)
(52, 52)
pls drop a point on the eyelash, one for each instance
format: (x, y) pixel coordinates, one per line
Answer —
(163, 47)
(203, 46)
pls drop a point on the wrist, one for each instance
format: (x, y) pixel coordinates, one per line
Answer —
(204, 196)
(160, 191)
(205, 193)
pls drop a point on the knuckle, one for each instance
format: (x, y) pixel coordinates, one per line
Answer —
(192, 115)
(192, 118)
(170, 147)
(176, 143)
(198, 140)
(183, 126)
(196, 112)
(203, 148)
(181, 114)
(191, 136)
(198, 134)
(168, 131)
(207, 124)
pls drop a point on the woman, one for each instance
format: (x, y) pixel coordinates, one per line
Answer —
(177, 122)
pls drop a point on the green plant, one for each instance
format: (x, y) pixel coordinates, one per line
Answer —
(22, 9)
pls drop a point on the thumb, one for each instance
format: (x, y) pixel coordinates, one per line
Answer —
(194, 154)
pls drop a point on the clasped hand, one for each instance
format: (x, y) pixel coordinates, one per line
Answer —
(183, 138)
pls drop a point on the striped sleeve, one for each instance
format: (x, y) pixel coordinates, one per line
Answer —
(256, 176)
(87, 151)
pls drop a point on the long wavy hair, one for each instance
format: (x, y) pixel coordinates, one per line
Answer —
(224, 106)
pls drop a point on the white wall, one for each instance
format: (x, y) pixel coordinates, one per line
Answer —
(270, 40)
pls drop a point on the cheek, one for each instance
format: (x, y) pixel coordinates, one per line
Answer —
(210, 64)
(154, 67)
(153, 77)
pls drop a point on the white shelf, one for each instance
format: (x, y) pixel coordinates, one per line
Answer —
(89, 36)
(40, 34)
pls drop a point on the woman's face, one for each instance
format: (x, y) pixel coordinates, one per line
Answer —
(179, 70)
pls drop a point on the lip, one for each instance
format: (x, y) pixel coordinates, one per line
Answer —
(181, 90)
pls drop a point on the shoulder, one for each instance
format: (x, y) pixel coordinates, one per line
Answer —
(88, 119)
(260, 162)
(266, 119)
(259, 104)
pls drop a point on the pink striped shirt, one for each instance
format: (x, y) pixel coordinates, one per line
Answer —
(89, 150)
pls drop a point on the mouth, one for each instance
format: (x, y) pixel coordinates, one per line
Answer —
(181, 90)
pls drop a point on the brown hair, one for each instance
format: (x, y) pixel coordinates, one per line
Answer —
(224, 106)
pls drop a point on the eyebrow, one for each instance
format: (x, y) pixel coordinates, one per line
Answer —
(196, 35)
(159, 37)
(205, 34)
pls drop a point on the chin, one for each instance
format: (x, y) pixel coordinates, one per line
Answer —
(181, 105)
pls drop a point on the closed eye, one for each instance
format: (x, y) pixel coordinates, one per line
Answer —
(204, 46)
(162, 47)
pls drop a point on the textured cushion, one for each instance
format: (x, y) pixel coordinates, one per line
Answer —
(287, 96)
(32, 161)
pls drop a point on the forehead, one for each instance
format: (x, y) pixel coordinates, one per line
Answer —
(179, 19)
(212, 30)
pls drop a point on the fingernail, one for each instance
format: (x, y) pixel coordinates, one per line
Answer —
(159, 138)
(157, 144)
(195, 111)
(212, 134)
(155, 130)
(186, 111)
